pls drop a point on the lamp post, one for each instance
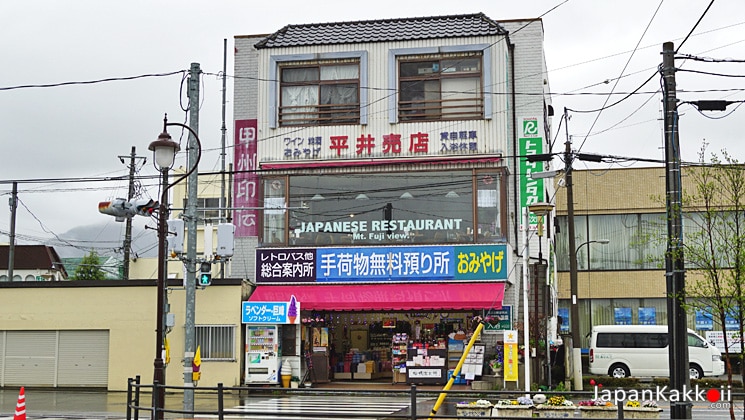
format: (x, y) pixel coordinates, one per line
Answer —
(541, 210)
(164, 154)
(574, 312)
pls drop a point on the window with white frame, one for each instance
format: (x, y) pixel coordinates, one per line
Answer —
(440, 87)
(321, 93)
(216, 342)
(207, 209)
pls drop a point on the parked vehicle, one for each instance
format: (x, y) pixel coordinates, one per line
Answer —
(642, 350)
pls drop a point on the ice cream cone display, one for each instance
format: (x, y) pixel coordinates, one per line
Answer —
(292, 310)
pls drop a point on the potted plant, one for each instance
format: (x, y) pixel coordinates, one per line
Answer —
(521, 407)
(556, 407)
(648, 409)
(597, 409)
(479, 408)
(496, 364)
(294, 382)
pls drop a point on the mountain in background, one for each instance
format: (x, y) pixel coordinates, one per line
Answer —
(107, 240)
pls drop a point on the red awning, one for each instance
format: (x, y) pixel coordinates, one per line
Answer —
(370, 297)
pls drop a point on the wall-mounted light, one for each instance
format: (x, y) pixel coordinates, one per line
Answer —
(318, 197)
(452, 194)
(406, 195)
(362, 197)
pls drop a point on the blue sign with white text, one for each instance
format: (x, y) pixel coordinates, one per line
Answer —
(265, 313)
(415, 263)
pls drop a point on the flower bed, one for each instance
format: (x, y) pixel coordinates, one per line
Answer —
(521, 407)
(597, 411)
(641, 410)
(556, 407)
(480, 408)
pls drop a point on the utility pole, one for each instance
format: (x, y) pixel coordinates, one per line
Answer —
(191, 246)
(674, 264)
(223, 129)
(130, 195)
(574, 289)
(13, 201)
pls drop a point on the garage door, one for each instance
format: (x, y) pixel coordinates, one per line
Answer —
(55, 358)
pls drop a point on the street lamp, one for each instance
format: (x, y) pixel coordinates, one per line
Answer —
(164, 154)
(541, 210)
(574, 312)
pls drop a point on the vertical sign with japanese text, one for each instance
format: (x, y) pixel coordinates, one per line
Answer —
(510, 355)
(531, 190)
(246, 181)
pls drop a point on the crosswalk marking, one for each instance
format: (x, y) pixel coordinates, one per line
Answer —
(306, 408)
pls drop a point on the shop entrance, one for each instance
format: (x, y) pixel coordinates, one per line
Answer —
(376, 345)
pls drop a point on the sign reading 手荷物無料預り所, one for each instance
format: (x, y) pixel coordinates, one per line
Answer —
(376, 264)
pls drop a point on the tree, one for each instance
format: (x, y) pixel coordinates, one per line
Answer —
(89, 268)
(715, 243)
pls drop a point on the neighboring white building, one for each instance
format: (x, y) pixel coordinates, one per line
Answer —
(32, 263)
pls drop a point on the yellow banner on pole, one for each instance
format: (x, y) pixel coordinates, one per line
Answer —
(510, 355)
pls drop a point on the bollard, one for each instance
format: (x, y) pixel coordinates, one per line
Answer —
(220, 401)
(413, 402)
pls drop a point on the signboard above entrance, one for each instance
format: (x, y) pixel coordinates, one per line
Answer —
(383, 264)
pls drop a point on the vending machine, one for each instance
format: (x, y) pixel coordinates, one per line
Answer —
(262, 354)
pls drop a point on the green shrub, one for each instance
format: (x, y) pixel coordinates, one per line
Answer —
(609, 381)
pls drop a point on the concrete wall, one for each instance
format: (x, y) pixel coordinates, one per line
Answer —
(128, 311)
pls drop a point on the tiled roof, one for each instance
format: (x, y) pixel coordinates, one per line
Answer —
(31, 257)
(383, 30)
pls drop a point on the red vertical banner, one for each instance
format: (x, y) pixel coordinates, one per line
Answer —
(245, 181)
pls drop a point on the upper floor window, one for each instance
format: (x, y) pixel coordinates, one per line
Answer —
(208, 210)
(440, 88)
(320, 94)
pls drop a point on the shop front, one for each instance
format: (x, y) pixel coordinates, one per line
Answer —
(396, 322)
(391, 266)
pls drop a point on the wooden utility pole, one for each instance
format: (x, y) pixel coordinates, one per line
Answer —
(674, 263)
(127, 245)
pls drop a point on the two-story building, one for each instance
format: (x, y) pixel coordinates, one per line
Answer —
(380, 166)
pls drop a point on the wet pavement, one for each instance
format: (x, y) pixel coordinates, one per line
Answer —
(70, 404)
(100, 404)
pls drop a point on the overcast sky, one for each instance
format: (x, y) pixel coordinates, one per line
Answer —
(81, 130)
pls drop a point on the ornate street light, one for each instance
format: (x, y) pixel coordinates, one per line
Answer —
(164, 154)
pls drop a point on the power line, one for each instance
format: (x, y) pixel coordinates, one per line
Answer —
(90, 82)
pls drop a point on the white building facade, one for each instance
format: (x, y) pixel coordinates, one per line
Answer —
(381, 168)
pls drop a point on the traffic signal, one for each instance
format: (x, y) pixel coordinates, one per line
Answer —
(144, 207)
(118, 208)
(122, 209)
(205, 274)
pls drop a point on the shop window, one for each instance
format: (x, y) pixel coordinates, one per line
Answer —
(489, 207)
(274, 211)
(396, 208)
(440, 87)
(320, 94)
(216, 342)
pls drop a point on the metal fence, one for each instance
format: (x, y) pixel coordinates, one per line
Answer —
(143, 402)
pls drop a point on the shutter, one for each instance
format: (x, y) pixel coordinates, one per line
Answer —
(30, 358)
(83, 358)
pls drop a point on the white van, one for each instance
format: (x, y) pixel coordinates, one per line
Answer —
(642, 350)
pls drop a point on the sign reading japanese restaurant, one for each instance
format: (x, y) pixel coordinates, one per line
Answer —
(376, 264)
(271, 312)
